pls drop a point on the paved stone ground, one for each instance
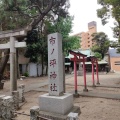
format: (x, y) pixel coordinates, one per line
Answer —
(92, 108)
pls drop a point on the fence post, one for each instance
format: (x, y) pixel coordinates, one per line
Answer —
(15, 95)
(34, 113)
(1, 106)
(7, 108)
(21, 90)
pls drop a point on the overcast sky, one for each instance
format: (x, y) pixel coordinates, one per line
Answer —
(84, 11)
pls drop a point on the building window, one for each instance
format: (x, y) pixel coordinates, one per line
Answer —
(117, 63)
(91, 28)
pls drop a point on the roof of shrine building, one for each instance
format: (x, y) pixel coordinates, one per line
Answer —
(87, 52)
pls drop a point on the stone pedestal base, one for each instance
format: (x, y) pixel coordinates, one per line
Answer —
(54, 116)
(36, 113)
(56, 104)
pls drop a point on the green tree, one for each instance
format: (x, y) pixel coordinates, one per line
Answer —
(98, 55)
(8, 21)
(11, 19)
(110, 8)
(37, 40)
(33, 46)
(71, 43)
(113, 44)
(64, 26)
(102, 43)
(36, 47)
(38, 10)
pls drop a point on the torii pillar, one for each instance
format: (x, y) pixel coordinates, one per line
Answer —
(94, 61)
(93, 79)
(13, 75)
(97, 73)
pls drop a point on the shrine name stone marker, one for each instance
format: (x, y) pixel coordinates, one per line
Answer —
(55, 101)
(55, 64)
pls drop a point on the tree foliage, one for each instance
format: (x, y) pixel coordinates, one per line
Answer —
(32, 46)
(37, 40)
(11, 19)
(98, 55)
(113, 44)
(102, 43)
(110, 8)
(71, 43)
(37, 10)
(64, 26)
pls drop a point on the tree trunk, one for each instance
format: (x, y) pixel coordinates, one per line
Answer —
(46, 70)
(37, 70)
(42, 63)
(3, 64)
(18, 70)
(119, 34)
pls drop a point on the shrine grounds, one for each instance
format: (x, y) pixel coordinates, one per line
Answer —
(92, 108)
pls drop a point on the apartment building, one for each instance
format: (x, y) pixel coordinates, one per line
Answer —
(86, 38)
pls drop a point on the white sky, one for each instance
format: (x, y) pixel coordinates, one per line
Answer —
(84, 11)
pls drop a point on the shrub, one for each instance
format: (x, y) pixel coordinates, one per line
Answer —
(26, 74)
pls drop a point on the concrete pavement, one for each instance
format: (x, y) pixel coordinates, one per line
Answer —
(38, 85)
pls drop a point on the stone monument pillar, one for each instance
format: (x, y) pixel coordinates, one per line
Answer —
(55, 64)
(56, 101)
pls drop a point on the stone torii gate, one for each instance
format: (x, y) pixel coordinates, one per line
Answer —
(12, 45)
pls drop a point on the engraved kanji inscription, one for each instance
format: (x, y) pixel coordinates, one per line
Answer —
(52, 40)
(52, 51)
(53, 75)
(53, 62)
(53, 87)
